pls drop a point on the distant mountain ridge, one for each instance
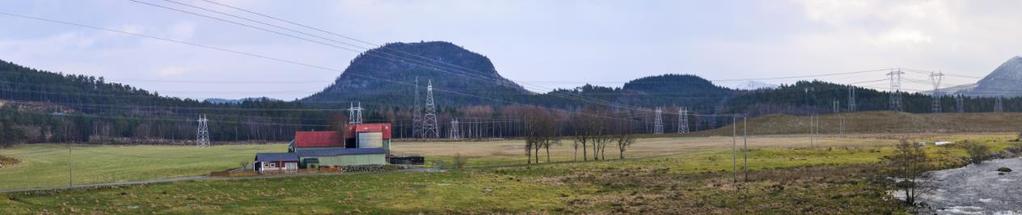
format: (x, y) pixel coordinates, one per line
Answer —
(1004, 81)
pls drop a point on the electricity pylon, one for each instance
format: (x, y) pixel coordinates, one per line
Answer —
(960, 103)
(683, 120)
(429, 125)
(999, 104)
(851, 98)
(658, 127)
(936, 77)
(202, 134)
(895, 100)
(355, 113)
(416, 112)
(454, 132)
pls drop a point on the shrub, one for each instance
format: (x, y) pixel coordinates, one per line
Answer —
(977, 152)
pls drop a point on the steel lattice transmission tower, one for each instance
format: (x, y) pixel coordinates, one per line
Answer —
(454, 132)
(851, 98)
(895, 102)
(835, 106)
(429, 125)
(202, 134)
(416, 112)
(355, 113)
(936, 77)
(683, 120)
(658, 126)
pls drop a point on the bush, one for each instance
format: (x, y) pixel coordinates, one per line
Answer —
(977, 152)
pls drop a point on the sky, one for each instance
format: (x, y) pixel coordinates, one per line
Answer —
(539, 43)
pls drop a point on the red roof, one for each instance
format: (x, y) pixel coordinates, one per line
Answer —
(307, 139)
(371, 127)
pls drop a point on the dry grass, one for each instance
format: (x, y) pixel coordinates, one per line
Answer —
(644, 147)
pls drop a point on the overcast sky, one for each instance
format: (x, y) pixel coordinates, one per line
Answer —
(540, 43)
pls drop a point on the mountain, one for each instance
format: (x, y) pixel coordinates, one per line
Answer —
(1005, 81)
(386, 75)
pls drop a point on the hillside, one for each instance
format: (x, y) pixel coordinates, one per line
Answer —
(1002, 82)
(42, 106)
(386, 75)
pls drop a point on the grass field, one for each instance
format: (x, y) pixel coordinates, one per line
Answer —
(661, 175)
(46, 165)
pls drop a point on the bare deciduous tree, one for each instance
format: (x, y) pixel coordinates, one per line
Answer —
(623, 136)
(541, 133)
(907, 167)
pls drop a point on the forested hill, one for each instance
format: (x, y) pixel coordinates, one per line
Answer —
(648, 92)
(805, 97)
(42, 106)
(21, 83)
(386, 75)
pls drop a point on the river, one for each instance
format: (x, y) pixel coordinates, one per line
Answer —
(977, 189)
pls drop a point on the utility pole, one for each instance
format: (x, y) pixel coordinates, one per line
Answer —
(734, 148)
(895, 100)
(202, 134)
(429, 125)
(745, 144)
(658, 127)
(812, 130)
(936, 77)
(683, 120)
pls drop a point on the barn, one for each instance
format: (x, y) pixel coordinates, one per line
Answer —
(361, 144)
(342, 157)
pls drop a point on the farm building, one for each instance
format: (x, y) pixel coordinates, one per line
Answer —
(361, 144)
(276, 162)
